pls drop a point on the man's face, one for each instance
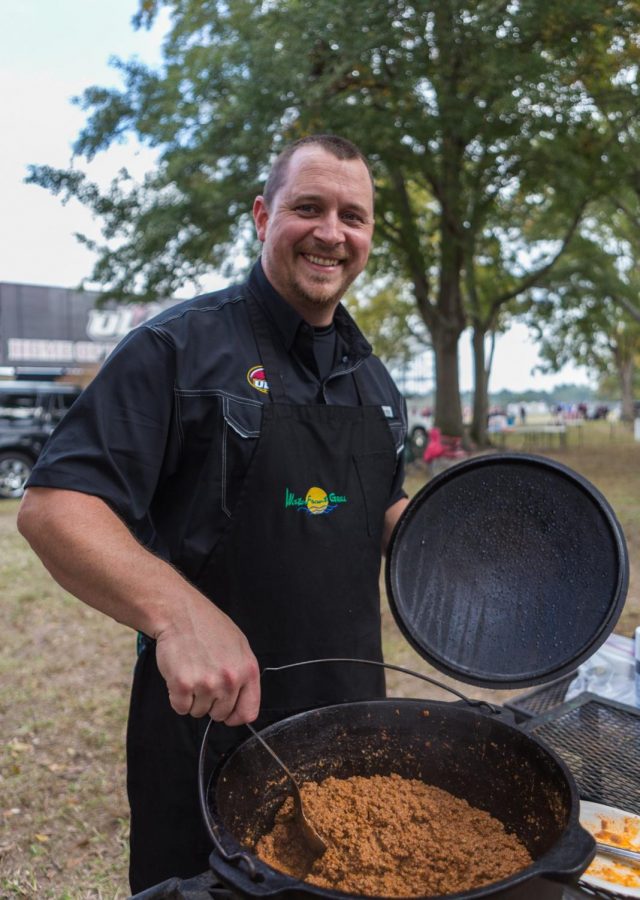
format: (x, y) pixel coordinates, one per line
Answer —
(317, 232)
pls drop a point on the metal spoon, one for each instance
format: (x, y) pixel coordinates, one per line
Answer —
(622, 852)
(312, 839)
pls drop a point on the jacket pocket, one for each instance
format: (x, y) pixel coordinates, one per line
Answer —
(240, 434)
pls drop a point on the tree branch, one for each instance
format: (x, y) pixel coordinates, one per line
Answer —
(534, 277)
(634, 311)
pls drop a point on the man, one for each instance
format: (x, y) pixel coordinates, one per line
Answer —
(225, 486)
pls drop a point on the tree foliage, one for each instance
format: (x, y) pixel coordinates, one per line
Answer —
(582, 318)
(387, 314)
(484, 121)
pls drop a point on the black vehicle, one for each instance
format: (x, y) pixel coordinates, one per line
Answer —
(29, 411)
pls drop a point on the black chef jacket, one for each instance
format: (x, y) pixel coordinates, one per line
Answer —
(165, 432)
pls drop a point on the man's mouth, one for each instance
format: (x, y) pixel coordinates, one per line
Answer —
(326, 261)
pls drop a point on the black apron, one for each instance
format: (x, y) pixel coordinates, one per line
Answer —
(297, 570)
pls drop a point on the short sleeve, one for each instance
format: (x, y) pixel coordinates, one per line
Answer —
(118, 436)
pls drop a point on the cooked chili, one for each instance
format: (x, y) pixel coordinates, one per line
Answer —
(392, 836)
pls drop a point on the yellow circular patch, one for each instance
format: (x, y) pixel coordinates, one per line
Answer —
(257, 379)
(316, 500)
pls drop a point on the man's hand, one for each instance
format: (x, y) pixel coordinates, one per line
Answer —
(205, 659)
(209, 668)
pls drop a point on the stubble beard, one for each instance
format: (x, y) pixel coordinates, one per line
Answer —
(312, 291)
(323, 298)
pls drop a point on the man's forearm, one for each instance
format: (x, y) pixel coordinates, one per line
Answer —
(203, 656)
(93, 555)
(391, 520)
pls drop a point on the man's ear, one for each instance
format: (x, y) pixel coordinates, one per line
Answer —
(260, 217)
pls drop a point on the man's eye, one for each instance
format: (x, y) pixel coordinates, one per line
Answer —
(352, 217)
(307, 209)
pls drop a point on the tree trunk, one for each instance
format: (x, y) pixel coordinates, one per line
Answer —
(625, 373)
(448, 324)
(480, 390)
(448, 412)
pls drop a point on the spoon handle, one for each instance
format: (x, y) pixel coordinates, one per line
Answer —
(611, 850)
(271, 752)
(313, 840)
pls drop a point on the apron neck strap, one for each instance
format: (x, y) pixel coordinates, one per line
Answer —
(264, 340)
(361, 390)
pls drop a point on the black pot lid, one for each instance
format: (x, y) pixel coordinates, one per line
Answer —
(507, 570)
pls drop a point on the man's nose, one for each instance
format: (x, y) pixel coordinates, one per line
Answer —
(329, 229)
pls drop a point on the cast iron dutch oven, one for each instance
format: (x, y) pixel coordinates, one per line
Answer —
(504, 571)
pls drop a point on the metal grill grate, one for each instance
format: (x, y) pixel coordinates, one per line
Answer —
(599, 740)
(540, 700)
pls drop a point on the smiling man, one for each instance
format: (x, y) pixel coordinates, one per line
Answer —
(225, 487)
(316, 228)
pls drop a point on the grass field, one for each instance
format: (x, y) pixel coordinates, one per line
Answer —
(64, 677)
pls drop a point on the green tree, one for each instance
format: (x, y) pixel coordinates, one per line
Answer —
(388, 316)
(581, 318)
(623, 235)
(457, 104)
(537, 227)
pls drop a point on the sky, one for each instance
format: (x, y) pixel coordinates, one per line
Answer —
(50, 52)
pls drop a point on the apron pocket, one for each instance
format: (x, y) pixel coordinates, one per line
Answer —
(398, 432)
(375, 475)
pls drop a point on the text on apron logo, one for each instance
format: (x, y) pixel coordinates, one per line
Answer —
(257, 379)
(316, 502)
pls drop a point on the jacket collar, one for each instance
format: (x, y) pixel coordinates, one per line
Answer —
(288, 322)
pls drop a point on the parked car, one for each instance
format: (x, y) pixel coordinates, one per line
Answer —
(419, 423)
(29, 411)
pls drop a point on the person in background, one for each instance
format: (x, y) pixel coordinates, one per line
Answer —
(225, 487)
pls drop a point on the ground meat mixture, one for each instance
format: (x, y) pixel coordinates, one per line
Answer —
(394, 837)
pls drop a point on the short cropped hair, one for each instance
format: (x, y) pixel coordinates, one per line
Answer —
(339, 147)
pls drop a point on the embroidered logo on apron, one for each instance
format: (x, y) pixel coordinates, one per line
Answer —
(257, 379)
(316, 502)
